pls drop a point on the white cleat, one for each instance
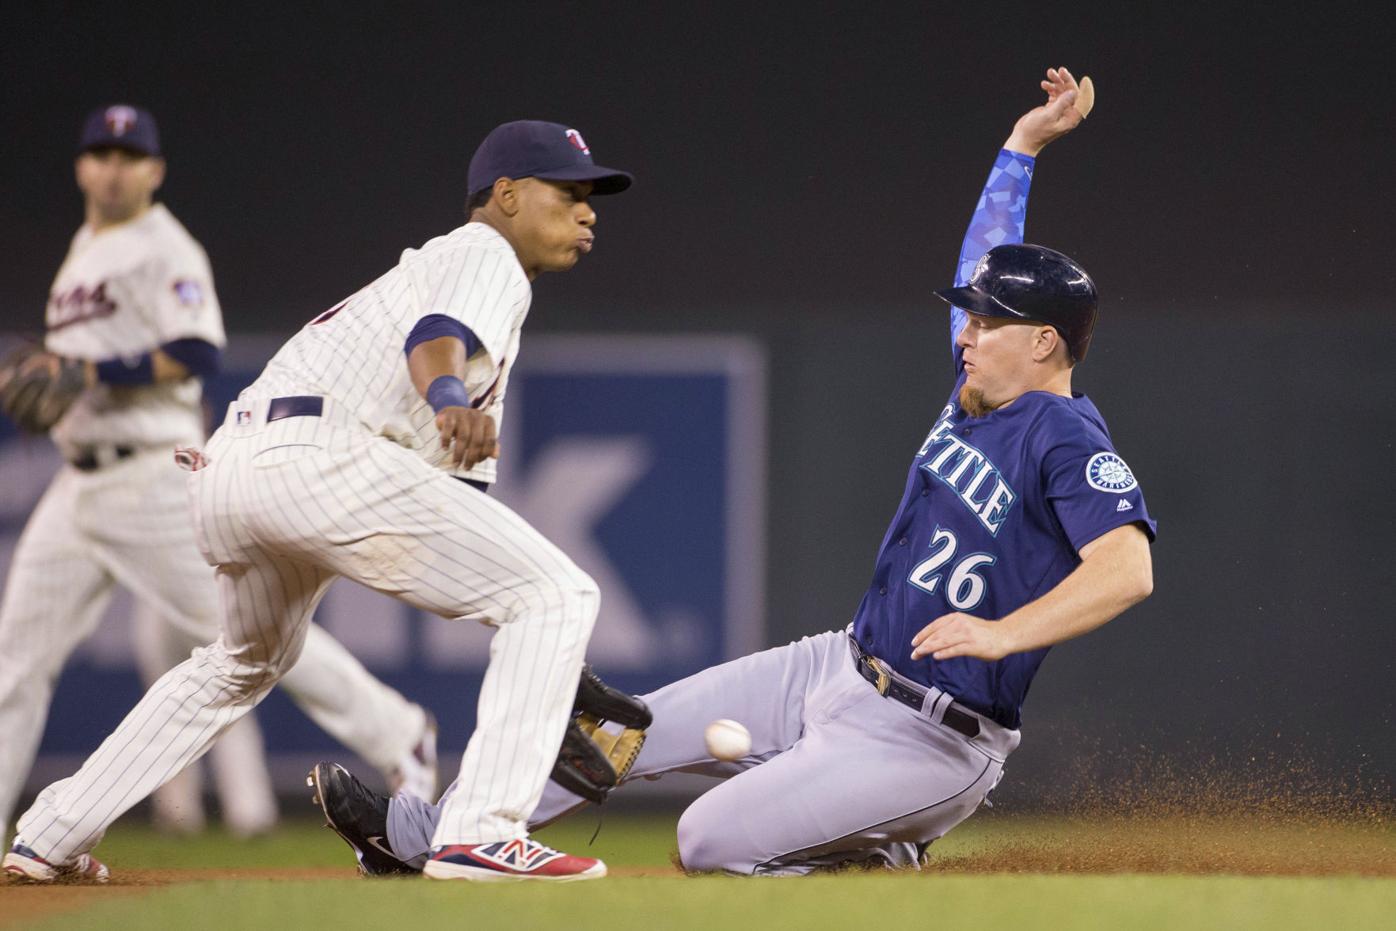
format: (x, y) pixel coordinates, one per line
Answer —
(26, 865)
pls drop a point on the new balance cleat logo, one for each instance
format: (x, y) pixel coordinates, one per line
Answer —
(521, 858)
(519, 854)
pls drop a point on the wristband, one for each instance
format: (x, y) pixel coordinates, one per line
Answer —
(120, 372)
(447, 391)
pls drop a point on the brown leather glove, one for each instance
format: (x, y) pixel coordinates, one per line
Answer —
(38, 387)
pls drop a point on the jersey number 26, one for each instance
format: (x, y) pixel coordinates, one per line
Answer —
(965, 587)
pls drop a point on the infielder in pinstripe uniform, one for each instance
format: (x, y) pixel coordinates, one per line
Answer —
(343, 459)
(134, 299)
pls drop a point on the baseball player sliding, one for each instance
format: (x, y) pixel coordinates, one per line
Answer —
(1019, 527)
(133, 325)
(342, 459)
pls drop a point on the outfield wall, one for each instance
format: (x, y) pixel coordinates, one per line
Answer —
(1263, 440)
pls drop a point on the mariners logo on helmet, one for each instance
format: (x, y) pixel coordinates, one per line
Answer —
(119, 119)
(1027, 282)
(980, 269)
(1108, 472)
(577, 141)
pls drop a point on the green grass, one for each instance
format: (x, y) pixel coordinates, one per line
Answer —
(932, 900)
(1056, 902)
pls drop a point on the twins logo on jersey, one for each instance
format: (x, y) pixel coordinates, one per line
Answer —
(79, 304)
(977, 482)
(488, 394)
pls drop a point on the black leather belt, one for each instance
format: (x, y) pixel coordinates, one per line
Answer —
(913, 696)
(299, 405)
(90, 460)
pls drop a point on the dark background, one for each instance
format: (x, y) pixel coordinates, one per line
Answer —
(805, 173)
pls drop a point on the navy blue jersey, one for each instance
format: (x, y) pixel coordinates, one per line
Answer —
(996, 508)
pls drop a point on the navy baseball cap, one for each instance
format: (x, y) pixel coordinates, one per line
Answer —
(535, 149)
(121, 127)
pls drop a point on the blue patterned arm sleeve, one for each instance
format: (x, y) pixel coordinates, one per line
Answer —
(998, 218)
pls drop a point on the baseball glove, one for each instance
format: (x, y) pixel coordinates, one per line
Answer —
(38, 387)
(593, 761)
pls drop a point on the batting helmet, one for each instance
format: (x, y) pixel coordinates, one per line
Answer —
(1030, 282)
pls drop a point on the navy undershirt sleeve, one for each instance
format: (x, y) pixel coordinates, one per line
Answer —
(199, 356)
(139, 371)
(435, 326)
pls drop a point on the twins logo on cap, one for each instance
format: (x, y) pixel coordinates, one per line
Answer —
(119, 119)
(577, 141)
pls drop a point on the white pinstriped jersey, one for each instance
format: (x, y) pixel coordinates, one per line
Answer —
(353, 353)
(123, 292)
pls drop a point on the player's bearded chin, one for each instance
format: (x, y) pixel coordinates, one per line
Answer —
(973, 402)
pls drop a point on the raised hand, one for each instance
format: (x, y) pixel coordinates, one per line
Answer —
(1052, 120)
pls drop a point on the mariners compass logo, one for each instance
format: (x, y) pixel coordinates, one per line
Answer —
(1108, 472)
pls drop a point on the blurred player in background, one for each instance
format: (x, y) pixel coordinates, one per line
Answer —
(134, 324)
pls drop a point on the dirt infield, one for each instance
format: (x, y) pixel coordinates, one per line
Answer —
(1200, 846)
(1237, 845)
(22, 903)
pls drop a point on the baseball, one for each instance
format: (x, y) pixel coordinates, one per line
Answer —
(727, 740)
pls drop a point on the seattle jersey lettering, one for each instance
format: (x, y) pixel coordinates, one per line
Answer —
(979, 485)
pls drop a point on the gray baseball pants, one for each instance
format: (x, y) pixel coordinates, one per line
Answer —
(837, 772)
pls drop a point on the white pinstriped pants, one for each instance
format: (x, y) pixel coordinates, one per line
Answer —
(282, 510)
(237, 760)
(129, 524)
